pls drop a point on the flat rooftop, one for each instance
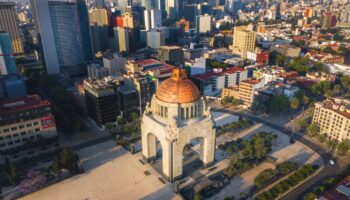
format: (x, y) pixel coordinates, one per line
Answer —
(111, 173)
(22, 103)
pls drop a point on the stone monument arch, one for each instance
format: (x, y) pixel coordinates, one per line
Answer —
(176, 115)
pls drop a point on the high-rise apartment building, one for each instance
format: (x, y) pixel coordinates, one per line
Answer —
(243, 41)
(333, 118)
(9, 23)
(7, 60)
(65, 45)
(153, 19)
(204, 23)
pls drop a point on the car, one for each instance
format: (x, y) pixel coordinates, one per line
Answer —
(332, 162)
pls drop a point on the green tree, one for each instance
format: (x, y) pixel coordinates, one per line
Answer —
(14, 177)
(345, 81)
(294, 103)
(343, 147)
(248, 150)
(313, 129)
(264, 178)
(310, 196)
(69, 159)
(56, 165)
(280, 60)
(329, 50)
(259, 148)
(278, 103)
(336, 89)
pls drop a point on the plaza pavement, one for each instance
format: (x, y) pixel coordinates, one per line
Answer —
(111, 173)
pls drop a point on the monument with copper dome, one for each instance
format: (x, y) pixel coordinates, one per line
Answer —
(176, 115)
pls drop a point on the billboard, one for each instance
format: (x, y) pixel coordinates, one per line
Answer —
(48, 122)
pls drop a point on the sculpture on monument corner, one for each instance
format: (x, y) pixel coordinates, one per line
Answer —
(172, 129)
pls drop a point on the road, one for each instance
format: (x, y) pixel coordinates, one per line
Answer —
(328, 169)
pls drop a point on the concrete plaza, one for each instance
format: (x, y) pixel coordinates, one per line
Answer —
(111, 173)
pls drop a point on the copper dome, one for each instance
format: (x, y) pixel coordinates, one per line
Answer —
(178, 89)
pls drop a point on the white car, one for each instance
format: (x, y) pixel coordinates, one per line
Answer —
(332, 162)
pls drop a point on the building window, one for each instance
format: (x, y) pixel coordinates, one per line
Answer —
(13, 128)
(35, 123)
(15, 135)
(37, 130)
(21, 126)
(23, 133)
(6, 130)
(29, 125)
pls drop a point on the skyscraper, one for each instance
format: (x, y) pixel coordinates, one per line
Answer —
(99, 22)
(65, 45)
(7, 61)
(9, 23)
(172, 8)
(122, 38)
(150, 4)
(153, 19)
(232, 6)
(190, 13)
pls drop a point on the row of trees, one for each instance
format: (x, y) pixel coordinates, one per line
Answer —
(247, 153)
(326, 184)
(234, 126)
(301, 174)
(268, 176)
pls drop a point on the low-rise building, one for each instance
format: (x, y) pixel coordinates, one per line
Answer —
(325, 57)
(12, 86)
(321, 76)
(25, 119)
(245, 91)
(171, 54)
(151, 67)
(258, 56)
(286, 49)
(96, 71)
(211, 83)
(333, 118)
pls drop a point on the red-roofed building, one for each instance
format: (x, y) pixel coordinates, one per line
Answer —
(25, 119)
(325, 58)
(339, 192)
